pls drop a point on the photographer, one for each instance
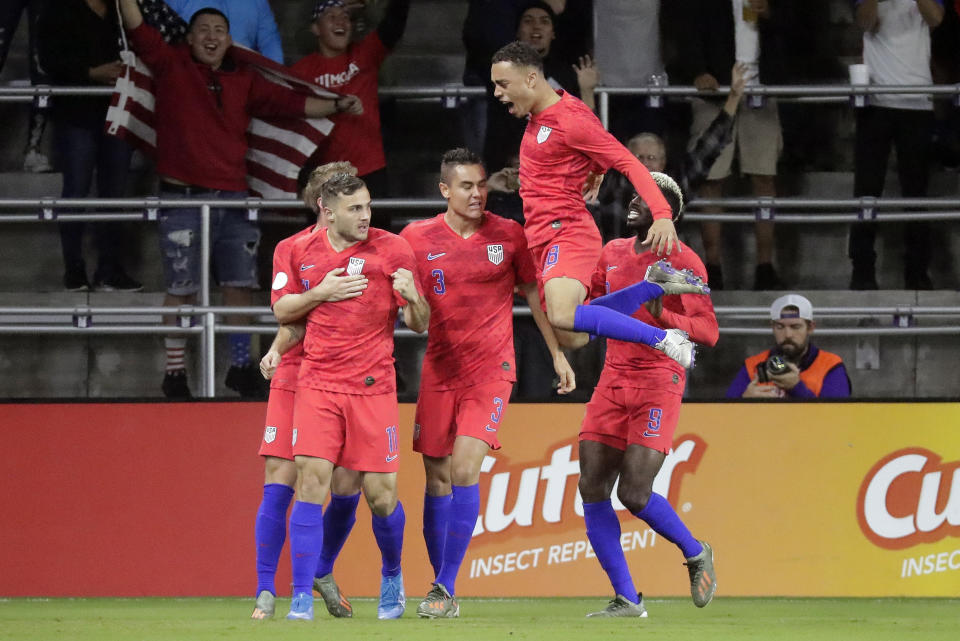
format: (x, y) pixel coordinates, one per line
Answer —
(795, 368)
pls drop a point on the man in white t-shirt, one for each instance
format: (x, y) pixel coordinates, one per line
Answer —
(896, 50)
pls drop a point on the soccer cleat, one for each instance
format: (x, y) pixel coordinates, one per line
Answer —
(439, 604)
(677, 346)
(265, 607)
(393, 602)
(620, 607)
(703, 578)
(301, 608)
(675, 281)
(337, 604)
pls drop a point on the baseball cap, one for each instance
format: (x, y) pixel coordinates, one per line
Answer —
(791, 300)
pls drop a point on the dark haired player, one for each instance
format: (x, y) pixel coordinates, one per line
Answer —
(470, 261)
(630, 419)
(563, 155)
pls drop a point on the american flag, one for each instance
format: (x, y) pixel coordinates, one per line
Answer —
(276, 148)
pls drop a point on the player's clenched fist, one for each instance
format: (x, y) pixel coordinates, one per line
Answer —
(403, 284)
(269, 363)
(335, 287)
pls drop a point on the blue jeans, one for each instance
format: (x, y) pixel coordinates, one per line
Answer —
(234, 241)
(81, 150)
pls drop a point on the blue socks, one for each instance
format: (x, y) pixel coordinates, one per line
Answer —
(337, 524)
(269, 531)
(630, 299)
(239, 349)
(306, 540)
(661, 516)
(464, 509)
(388, 531)
(436, 512)
(605, 321)
(603, 530)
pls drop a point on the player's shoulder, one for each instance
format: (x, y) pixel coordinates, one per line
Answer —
(420, 227)
(495, 223)
(616, 247)
(382, 238)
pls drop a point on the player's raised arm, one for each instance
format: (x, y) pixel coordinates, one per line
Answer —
(416, 313)
(597, 143)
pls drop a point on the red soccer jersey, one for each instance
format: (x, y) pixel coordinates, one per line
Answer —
(354, 138)
(286, 375)
(469, 284)
(349, 344)
(561, 146)
(636, 365)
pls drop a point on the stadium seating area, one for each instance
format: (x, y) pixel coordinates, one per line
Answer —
(811, 257)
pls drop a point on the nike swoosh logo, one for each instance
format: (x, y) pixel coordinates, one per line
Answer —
(610, 268)
(391, 459)
(435, 256)
(647, 434)
(490, 429)
(306, 267)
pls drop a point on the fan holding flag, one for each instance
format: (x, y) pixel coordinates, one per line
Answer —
(205, 94)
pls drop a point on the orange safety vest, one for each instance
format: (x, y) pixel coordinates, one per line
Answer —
(812, 376)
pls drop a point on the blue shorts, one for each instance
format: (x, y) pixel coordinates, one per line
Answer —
(234, 240)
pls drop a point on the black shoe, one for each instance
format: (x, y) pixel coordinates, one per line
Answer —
(75, 280)
(247, 381)
(175, 385)
(864, 278)
(714, 277)
(766, 278)
(119, 282)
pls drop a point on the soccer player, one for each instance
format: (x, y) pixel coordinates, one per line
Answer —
(470, 261)
(345, 410)
(280, 365)
(562, 156)
(630, 420)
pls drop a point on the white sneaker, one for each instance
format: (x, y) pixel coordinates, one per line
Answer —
(677, 346)
(35, 162)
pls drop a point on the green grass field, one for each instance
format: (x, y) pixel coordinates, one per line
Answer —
(514, 619)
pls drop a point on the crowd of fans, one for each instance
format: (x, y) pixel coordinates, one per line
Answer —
(584, 44)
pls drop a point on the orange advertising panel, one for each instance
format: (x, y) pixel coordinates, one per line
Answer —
(807, 500)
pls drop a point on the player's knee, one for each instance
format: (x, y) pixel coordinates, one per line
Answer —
(383, 504)
(633, 497)
(438, 486)
(465, 473)
(593, 489)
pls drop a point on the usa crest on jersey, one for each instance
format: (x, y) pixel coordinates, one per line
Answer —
(543, 134)
(495, 254)
(355, 266)
(270, 434)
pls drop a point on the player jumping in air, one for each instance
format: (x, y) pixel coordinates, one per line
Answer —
(469, 261)
(563, 155)
(630, 419)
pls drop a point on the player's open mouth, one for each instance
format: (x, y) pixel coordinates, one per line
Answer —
(339, 32)
(211, 48)
(508, 105)
(633, 214)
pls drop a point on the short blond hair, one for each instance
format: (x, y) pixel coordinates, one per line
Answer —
(319, 176)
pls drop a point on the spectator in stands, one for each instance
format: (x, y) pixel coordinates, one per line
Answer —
(34, 160)
(80, 45)
(616, 192)
(536, 26)
(896, 50)
(629, 54)
(795, 368)
(252, 24)
(353, 68)
(722, 32)
(204, 100)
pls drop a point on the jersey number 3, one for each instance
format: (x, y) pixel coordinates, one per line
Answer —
(440, 287)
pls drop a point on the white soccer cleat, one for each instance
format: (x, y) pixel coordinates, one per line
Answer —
(678, 346)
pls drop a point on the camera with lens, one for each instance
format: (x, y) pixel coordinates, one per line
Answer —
(773, 366)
